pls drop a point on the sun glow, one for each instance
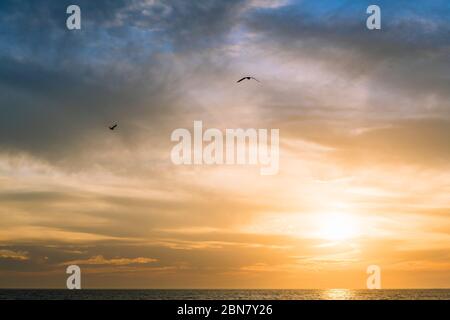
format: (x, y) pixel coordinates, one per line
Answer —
(337, 227)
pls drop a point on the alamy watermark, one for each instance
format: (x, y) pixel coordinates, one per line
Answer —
(74, 280)
(73, 22)
(373, 22)
(232, 147)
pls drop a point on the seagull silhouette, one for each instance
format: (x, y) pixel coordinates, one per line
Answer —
(248, 78)
(113, 127)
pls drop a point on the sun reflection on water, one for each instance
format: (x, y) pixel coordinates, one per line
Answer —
(337, 294)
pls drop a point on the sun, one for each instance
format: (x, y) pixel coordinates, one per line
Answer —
(337, 226)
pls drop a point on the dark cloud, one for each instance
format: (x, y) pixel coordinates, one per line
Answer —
(409, 56)
(49, 112)
(60, 89)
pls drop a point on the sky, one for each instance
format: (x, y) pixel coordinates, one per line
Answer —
(364, 120)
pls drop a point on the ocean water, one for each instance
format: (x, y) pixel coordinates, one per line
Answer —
(153, 294)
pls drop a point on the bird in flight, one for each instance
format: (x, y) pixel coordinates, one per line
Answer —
(248, 78)
(113, 127)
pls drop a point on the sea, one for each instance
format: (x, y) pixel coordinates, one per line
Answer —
(186, 294)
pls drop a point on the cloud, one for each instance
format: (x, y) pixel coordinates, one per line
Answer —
(60, 90)
(363, 118)
(420, 142)
(404, 67)
(14, 255)
(100, 260)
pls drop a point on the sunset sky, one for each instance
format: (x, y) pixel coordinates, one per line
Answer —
(364, 120)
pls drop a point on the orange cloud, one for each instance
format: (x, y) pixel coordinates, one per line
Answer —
(100, 260)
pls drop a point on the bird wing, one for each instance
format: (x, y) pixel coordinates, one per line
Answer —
(242, 79)
(255, 79)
